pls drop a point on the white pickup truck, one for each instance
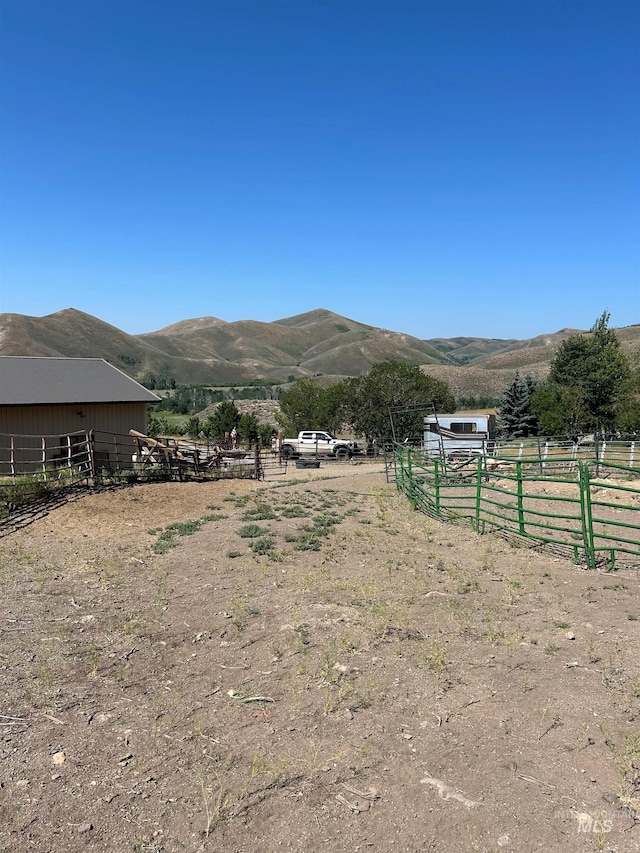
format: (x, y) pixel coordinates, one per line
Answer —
(317, 443)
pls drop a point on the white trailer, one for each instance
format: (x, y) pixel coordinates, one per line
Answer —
(459, 436)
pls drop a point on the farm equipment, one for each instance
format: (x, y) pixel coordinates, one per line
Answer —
(184, 455)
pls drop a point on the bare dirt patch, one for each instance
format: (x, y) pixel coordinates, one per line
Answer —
(309, 664)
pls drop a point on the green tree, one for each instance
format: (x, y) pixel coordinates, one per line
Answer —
(586, 383)
(157, 426)
(394, 384)
(265, 433)
(192, 426)
(561, 410)
(309, 404)
(165, 379)
(628, 400)
(248, 428)
(223, 419)
(515, 416)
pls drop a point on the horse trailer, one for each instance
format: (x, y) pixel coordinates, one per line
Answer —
(459, 436)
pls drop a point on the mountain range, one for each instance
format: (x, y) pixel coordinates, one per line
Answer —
(213, 352)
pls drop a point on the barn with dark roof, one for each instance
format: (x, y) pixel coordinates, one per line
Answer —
(59, 401)
(50, 396)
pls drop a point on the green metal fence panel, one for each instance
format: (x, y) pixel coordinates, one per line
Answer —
(586, 519)
(614, 510)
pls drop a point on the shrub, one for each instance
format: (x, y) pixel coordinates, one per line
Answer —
(251, 531)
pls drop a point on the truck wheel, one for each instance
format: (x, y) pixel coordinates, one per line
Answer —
(287, 451)
(342, 453)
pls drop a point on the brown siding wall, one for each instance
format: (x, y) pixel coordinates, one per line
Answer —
(61, 420)
(107, 419)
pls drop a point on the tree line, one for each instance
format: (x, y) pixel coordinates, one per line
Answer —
(592, 386)
(361, 405)
(217, 426)
(358, 405)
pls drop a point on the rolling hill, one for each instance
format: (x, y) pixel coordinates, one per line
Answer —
(211, 351)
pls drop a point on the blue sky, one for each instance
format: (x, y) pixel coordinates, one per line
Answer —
(434, 167)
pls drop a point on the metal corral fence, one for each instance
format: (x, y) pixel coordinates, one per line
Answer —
(33, 468)
(564, 454)
(586, 510)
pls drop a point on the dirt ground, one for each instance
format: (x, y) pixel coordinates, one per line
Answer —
(307, 664)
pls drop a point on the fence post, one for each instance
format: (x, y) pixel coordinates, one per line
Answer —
(92, 455)
(540, 462)
(436, 483)
(479, 476)
(407, 475)
(398, 465)
(398, 474)
(521, 527)
(574, 456)
(587, 516)
(389, 462)
(404, 473)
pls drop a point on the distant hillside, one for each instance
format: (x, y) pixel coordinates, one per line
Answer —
(465, 350)
(210, 351)
(473, 381)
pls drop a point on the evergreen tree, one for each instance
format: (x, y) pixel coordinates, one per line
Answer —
(248, 428)
(265, 433)
(225, 416)
(192, 426)
(515, 416)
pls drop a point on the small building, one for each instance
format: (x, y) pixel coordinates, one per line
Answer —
(65, 397)
(460, 435)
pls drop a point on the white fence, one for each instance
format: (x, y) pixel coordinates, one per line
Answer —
(556, 453)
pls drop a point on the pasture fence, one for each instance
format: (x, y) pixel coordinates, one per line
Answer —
(585, 509)
(34, 468)
(565, 454)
